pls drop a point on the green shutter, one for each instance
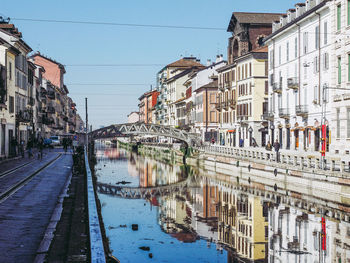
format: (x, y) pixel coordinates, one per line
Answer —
(338, 17)
(348, 12)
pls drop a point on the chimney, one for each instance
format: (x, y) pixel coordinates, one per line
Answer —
(208, 62)
(300, 9)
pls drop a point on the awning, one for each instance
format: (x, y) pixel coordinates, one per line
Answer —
(264, 129)
(231, 131)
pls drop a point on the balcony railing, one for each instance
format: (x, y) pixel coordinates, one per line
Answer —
(277, 87)
(232, 103)
(219, 106)
(293, 83)
(31, 101)
(23, 116)
(50, 109)
(225, 105)
(284, 113)
(301, 110)
(269, 115)
(51, 95)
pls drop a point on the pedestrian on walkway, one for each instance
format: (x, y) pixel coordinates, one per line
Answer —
(21, 148)
(277, 146)
(41, 148)
(65, 145)
(29, 148)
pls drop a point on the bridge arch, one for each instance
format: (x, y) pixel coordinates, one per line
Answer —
(122, 130)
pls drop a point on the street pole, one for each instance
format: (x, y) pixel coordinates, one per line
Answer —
(87, 125)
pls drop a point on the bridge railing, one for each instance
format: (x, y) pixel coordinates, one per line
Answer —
(96, 242)
(304, 161)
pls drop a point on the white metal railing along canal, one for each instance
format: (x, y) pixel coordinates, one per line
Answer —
(303, 161)
(96, 242)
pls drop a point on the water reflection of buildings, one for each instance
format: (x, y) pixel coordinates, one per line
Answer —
(154, 173)
(243, 225)
(296, 236)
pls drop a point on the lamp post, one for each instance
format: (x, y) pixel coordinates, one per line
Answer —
(250, 135)
(272, 127)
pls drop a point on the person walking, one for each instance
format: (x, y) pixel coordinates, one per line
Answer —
(277, 146)
(29, 148)
(21, 148)
(41, 148)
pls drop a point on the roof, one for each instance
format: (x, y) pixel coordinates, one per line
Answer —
(294, 21)
(252, 18)
(38, 54)
(214, 84)
(185, 63)
(181, 74)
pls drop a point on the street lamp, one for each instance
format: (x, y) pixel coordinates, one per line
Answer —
(250, 134)
(272, 127)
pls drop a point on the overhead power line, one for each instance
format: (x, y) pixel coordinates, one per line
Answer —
(115, 24)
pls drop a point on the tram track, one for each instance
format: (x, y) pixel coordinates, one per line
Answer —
(18, 185)
(15, 169)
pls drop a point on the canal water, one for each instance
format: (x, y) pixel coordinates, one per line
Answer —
(157, 212)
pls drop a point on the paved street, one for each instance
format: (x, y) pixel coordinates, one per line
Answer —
(24, 216)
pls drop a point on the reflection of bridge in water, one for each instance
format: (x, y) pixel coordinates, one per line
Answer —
(145, 192)
(309, 204)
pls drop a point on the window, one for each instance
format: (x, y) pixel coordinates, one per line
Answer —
(279, 55)
(250, 69)
(287, 51)
(10, 70)
(11, 104)
(338, 17)
(266, 87)
(316, 94)
(326, 61)
(271, 59)
(296, 47)
(212, 116)
(338, 122)
(316, 65)
(339, 70)
(325, 34)
(317, 37)
(305, 42)
(348, 122)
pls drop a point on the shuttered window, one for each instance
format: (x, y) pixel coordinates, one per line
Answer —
(339, 70)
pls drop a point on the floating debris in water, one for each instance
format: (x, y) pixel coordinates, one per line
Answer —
(145, 248)
(135, 227)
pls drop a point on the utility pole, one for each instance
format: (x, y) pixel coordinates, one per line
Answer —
(86, 124)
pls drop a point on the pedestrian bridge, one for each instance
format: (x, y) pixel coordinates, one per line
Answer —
(142, 129)
(143, 192)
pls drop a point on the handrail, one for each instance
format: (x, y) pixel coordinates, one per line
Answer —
(96, 244)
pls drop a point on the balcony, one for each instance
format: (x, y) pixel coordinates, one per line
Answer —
(31, 101)
(50, 109)
(277, 87)
(219, 106)
(292, 83)
(284, 113)
(301, 110)
(225, 105)
(23, 116)
(51, 95)
(269, 116)
(221, 87)
(232, 103)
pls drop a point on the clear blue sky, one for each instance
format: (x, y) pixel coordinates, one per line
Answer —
(97, 44)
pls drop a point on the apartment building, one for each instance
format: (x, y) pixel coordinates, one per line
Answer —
(168, 95)
(242, 97)
(300, 72)
(339, 100)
